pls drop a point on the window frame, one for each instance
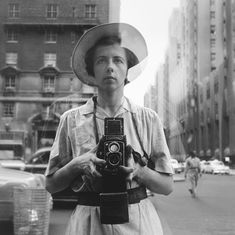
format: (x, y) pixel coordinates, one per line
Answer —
(8, 109)
(11, 58)
(13, 10)
(52, 11)
(90, 11)
(50, 59)
(12, 36)
(50, 36)
(10, 81)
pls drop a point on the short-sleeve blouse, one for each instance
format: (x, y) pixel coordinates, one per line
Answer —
(76, 135)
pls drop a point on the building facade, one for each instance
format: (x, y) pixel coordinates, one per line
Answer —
(201, 79)
(37, 84)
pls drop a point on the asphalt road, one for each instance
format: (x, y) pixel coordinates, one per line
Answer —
(212, 212)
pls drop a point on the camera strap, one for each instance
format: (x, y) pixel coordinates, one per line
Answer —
(94, 119)
(133, 120)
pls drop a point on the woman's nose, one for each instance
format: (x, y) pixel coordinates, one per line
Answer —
(110, 66)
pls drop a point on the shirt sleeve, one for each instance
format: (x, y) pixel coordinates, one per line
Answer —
(61, 152)
(160, 154)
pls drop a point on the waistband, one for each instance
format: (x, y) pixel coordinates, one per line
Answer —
(135, 195)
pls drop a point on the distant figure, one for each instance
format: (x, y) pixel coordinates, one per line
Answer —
(192, 172)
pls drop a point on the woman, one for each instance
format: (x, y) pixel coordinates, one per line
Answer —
(108, 57)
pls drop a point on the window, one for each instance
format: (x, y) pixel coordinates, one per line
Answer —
(11, 58)
(10, 81)
(8, 110)
(208, 95)
(49, 83)
(51, 37)
(213, 56)
(216, 85)
(212, 42)
(202, 116)
(212, 2)
(12, 35)
(201, 97)
(52, 11)
(50, 59)
(13, 10)
(90, 11)
(73, 37)
(216, 108)
(213, 29)
(212, 14)
(73, 12)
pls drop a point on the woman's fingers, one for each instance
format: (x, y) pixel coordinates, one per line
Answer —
(98, 161)
(126, 170)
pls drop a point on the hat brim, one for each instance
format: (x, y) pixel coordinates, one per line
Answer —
(131, 38)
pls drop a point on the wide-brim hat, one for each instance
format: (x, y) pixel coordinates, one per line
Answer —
(131, 39)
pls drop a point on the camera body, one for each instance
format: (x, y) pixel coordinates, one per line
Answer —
(113, 145)
(112, 148)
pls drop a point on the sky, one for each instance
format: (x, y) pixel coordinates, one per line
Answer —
(151, 18)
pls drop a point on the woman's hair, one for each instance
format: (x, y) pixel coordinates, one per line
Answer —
(107, 41)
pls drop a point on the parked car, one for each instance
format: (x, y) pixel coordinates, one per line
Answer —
(11, 181)
(8, 160)
(216, 167)
(176, 166)
(203, 165)
(38, 164)
(183, 166)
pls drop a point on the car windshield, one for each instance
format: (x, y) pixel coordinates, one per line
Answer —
(40, 158)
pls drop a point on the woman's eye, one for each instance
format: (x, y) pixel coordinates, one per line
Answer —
(118, 60)
(100, 61)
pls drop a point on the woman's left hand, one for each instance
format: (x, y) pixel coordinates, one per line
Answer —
(132, 164)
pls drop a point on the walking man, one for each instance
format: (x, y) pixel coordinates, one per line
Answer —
(192, 172)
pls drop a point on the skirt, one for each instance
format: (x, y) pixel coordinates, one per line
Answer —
(143, 220)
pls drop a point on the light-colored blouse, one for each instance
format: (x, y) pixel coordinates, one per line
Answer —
(76, 135)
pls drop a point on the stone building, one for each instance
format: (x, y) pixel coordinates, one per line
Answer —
(36, 80)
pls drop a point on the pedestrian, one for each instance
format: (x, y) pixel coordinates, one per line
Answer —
(108, 57)
(192, 172)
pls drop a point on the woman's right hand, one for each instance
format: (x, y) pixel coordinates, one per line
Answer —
(86, 164)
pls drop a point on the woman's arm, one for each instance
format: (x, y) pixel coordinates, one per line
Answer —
(156, 182)
(82, 165)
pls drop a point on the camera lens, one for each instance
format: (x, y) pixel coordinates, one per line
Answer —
(114, 147)
(114, 159)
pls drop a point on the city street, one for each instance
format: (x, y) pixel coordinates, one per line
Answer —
(212, 212)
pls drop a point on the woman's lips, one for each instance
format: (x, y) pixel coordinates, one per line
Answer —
(109, 78)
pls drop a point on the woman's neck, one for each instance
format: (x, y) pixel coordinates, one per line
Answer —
(110, 102)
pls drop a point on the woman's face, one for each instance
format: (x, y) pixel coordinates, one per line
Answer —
(110, 67)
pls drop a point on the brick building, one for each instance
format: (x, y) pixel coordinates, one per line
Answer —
(36, 80)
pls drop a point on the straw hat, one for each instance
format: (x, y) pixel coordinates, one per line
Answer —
(131, 39)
